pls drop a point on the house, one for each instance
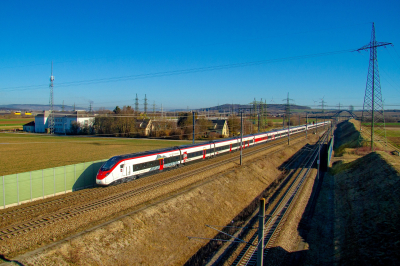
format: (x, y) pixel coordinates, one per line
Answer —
(145, 127)
(220, 127)
(63, 121)
(29, 127)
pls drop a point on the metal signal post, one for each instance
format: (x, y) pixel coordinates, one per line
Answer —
(241, 137)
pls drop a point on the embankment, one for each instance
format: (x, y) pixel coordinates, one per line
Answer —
(358, 209)
(157, 234)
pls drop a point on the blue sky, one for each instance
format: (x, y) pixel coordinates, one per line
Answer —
(99, 41)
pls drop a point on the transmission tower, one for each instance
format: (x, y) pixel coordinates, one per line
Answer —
(154, 110)
(373, 107)
(287, 114)
(136, 104)
(50, 119)
(323, 107)
(145, 104)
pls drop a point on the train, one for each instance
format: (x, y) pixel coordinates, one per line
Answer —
(122, 168)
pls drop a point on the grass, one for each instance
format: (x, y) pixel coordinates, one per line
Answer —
(27, 152)
(366, 124)
(14, 123)
(393, 136)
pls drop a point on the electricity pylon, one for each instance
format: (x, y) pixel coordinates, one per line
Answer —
(136, 104)
(287, 114)
(373, 106)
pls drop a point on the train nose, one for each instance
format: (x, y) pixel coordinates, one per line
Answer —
(101, 175)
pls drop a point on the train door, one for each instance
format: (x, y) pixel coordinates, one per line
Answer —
(122, 170)
(204, 154)
(161, 164)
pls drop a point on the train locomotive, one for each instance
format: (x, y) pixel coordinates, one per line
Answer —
(126, 167)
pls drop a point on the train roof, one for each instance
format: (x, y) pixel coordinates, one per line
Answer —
(194, 145)
(144, 153)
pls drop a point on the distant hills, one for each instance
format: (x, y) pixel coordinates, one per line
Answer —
(34, 107)
(271, 108)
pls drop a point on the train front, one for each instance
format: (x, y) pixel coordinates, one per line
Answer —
(105, 174)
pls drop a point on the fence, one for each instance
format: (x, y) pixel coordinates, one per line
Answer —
(28, 186)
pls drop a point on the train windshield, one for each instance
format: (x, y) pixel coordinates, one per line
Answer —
(109, 164)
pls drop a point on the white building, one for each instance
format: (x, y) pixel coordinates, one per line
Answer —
(63, 121)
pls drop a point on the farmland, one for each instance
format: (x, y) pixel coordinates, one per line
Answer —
(14, 123)
(27, 152)
(393, 135)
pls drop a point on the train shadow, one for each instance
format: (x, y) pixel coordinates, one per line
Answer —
(87, 178)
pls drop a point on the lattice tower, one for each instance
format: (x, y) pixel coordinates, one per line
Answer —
(373, 111)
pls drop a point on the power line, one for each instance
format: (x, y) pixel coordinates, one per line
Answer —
(178, 72)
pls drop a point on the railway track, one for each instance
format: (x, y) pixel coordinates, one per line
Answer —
(279, 213)
(18, 228)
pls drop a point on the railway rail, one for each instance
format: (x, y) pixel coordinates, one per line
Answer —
(18, 227)
(279, 213)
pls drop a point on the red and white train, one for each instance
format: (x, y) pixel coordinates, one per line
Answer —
(131, 166)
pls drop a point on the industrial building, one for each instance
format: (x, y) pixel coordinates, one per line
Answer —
(63, 121)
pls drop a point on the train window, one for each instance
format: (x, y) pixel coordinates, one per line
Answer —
(121, 166)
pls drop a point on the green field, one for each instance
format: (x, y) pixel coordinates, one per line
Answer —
(386, 124)
(27, 152)
(14, 123)
(393, 136)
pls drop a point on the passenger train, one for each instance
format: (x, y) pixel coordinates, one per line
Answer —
(131, 166)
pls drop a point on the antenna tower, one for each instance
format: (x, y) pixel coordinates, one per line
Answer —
(137, 104)
(373, 106)
(50, 119)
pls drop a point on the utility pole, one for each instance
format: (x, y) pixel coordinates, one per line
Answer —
(51, 115)
(373, 105)
(241, 137)
(261, 221)
(193, 125)
(62, 107)
(306, 123)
